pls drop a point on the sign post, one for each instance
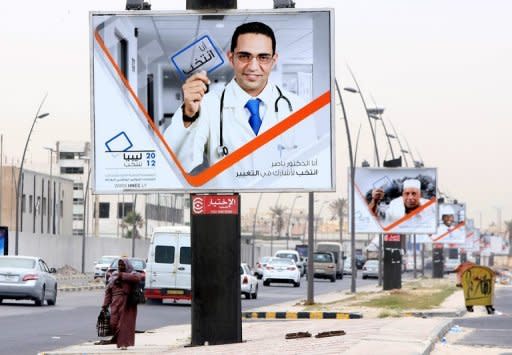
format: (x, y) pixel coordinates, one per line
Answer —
(215, 244)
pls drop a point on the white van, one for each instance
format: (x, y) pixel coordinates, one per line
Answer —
(168, 270)
(337, 250)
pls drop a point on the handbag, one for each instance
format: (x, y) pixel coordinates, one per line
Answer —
(103, 324)
(136, 296)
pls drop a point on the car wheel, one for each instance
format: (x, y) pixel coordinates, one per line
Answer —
(266, 283)
(1, 300)
(255, 294)
(259, 276)
(39, 302)
(296, 284)
(333, 278)
(365, 277)
(154, 300)
(53, 300)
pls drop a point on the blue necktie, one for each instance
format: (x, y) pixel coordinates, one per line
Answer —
(253, 106)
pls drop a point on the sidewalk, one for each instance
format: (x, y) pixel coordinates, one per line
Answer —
(406, 335)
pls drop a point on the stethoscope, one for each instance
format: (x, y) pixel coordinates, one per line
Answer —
(222, 150)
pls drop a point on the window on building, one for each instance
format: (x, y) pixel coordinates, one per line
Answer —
(30, 203)
(78, 231)
(38, 205)
(179, 202)
(23, 203)
(43, 207)
(61, 209)
(104, 209)
(66, 155)
(78, 216)
(123, 208)
(78, 201)
(78, 186)
(71, 170)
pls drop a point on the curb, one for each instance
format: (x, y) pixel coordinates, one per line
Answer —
(431, 314)
(437, 335)
(301, 315)
(81, 288)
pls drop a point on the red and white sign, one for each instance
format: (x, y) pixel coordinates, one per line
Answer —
(391, 237)
(215, 204)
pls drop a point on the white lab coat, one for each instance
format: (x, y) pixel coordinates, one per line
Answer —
(202, 138)
(396, 210)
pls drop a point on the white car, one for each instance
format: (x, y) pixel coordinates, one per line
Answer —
(281, 270)
(371, 269)
(260, 265)
(292, 255)
(248, 282)
(27, 277)
(103, 263)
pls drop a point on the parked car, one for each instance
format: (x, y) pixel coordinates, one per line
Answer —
(248, 282)
(27, 277)
(371, 269)
(292, 255)
(281, 270)
(324, 266)
(103, 263)
(260, 265)
(347, 266)
(138, 264)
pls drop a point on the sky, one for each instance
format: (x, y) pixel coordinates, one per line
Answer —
(441, 69)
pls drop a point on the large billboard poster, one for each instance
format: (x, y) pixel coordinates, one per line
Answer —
(451, 224)
(190, 101)
(395, 200)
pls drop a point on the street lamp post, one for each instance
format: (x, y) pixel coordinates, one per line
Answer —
(378, 117)
(358, 91)
(84, 222)
(352, 194)
(20, 174)
(254, 228)
(288, 232)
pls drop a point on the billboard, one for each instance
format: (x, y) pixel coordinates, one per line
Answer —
(4, 240)
(451, 224)
(191, 101)
(395, 200)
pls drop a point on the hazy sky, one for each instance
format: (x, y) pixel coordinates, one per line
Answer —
(440, 68)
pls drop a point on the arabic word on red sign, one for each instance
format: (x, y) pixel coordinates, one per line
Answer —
(215, 204)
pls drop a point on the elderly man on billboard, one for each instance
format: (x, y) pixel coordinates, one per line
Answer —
(409, 201)
(212, 124)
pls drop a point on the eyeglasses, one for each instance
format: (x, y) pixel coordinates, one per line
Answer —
(245, 57)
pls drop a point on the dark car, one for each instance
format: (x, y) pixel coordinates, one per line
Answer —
(138, 264)
(360, 260)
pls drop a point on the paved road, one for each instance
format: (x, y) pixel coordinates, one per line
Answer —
(27, 329)
(491, 330)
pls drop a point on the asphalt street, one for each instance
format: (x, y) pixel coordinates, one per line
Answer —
(491, 330)
(27, 329)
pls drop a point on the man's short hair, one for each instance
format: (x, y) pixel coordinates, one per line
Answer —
(253, 27)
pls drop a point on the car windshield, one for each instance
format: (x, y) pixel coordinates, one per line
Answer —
(137, 264)
(106, 260)
(287, 256)
(265, 259)
(17, 263)
(372, 263)
(281, 261)
(322, 258)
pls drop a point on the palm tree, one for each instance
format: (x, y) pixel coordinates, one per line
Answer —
(277, 214)
(338, 209)
(133, 220)
(509, 230)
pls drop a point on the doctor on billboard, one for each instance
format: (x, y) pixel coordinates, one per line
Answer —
(395, 200)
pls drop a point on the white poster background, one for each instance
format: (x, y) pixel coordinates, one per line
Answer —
(420, 221)
(455, 233)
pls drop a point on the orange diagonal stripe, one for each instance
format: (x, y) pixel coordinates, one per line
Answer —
(410, 214)
(235, 156)
(449, 231)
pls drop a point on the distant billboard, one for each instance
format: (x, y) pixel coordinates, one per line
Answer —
(395, 200)
(231, 101)
(451, 224)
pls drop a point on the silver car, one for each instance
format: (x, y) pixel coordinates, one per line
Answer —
(27, 277)
(371, 269)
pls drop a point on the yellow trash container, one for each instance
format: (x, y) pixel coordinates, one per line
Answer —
(478, 285)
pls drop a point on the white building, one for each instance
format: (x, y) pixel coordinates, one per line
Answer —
(106, 213)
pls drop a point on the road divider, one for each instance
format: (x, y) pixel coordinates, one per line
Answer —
(301, 315)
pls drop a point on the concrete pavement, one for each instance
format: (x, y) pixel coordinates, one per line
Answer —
(405, 335)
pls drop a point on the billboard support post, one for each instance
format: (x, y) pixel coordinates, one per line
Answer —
(437, 261)
(215, 244)
(392, 261)
(311, 246)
